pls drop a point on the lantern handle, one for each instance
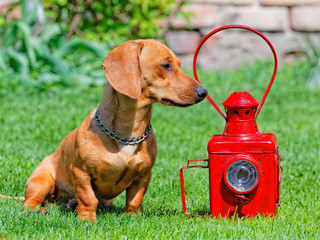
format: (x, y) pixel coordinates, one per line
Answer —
(246, 28)
(183, 196)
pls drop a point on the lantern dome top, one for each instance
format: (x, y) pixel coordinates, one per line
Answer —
(240, 100)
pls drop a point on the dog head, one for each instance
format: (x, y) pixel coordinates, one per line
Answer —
(146, 69)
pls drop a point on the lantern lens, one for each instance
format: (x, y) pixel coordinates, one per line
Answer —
(242, 176)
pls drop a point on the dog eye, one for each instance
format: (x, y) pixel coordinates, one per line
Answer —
(167, 67)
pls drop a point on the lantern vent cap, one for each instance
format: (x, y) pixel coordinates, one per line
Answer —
(240, 99)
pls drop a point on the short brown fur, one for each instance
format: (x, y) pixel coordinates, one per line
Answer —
(91, 167)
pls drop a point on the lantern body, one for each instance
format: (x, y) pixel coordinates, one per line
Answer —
(244, 164)
(261, 150)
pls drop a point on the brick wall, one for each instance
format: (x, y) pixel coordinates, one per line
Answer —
(289, 24)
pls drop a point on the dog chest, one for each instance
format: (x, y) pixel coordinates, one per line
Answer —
(112, 183)
(127, 151)
(119, 174)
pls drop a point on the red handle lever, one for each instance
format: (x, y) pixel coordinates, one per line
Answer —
(183, 196)
(246, 28)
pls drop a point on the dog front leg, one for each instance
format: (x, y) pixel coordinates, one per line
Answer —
(87, 201)
(135, 193)
(40, 187)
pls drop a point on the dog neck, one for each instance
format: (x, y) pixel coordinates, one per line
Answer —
(127, 117)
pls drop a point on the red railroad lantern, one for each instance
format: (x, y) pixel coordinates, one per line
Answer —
(244, 164)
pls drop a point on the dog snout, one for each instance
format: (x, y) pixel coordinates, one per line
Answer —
(201, 93)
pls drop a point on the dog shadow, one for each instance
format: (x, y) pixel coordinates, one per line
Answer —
(71, 207)
(101, 209)
(113, 209)
(119, 211)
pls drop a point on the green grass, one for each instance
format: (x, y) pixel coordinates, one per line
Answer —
(32, 124)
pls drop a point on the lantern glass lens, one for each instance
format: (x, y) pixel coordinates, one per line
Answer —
(242, 175)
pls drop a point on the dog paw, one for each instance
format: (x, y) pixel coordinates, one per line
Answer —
(35, 208)
(133, 211)
(90, 218)
(87, 215)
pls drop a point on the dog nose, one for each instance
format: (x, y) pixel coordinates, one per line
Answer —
(201, 92)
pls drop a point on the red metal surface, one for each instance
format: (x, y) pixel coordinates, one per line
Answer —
(263, 199)
(241, 108)
(240, 100)
(239, 144)
(240, 27)
(241, 141)
(183, 196)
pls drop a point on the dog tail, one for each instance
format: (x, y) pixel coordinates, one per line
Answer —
(9, 197)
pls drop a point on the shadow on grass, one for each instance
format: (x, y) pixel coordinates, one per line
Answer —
(145, 211)
(110, 209)
(161, 212)
(154, 212)
(101, 210)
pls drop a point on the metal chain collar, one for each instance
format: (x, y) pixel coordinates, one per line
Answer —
(126, 141)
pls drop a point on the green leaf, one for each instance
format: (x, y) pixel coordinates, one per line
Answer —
(29, 11)
(76, 44)
(21, 60)
(10, 34)
(27, 36)
(3, 64)
(81, 79)
(62, 2)
(48, 79)
(25, 79)
(51, 31)
(57, 64)
(39, 46)
(2, 21)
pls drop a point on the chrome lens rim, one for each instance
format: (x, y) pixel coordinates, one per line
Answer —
(242, 176)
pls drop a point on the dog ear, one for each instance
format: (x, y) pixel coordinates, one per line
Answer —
(122, 69)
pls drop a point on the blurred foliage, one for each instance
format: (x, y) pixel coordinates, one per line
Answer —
(58, 50)
(114, 21)
(313, 57)
(39, 55)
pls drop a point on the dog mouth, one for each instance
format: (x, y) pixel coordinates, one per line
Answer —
(169, 102)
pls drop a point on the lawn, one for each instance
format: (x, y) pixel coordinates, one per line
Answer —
(33, 122)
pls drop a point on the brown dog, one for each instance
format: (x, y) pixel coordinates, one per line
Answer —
(93, 164)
